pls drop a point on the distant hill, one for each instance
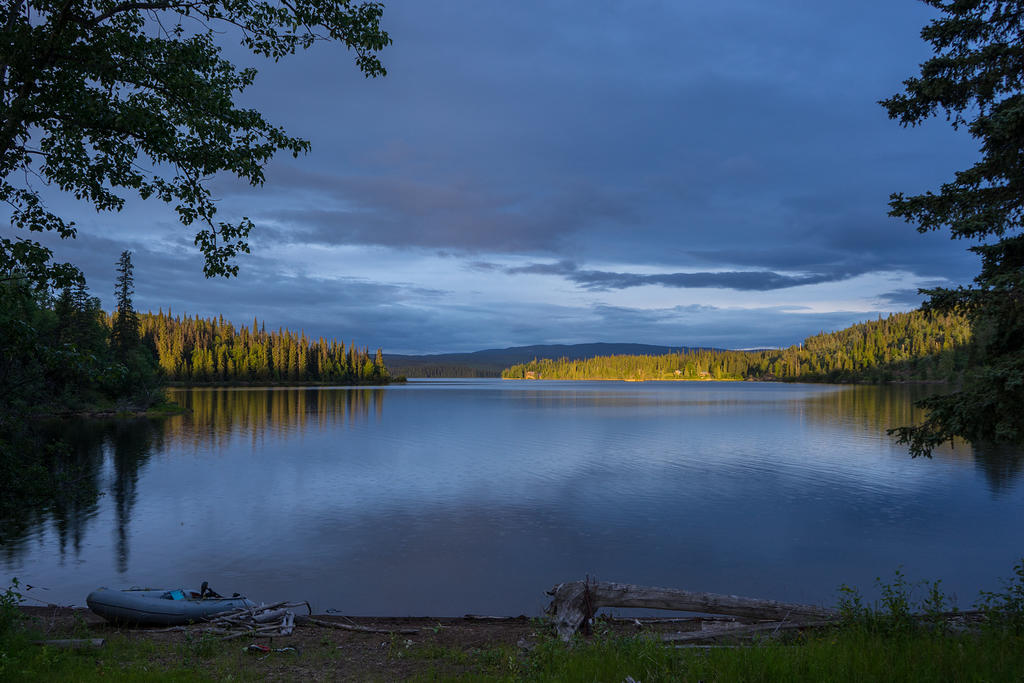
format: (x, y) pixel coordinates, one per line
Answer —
(490, 362)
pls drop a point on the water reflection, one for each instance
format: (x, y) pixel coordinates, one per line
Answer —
(769, 489)
(131, 443)
(64, 468)
(217, 415)
(873, 410)
(1000, 465)
(72, 464)
(867, 408)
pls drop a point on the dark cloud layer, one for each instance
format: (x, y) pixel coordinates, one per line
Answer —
(756, 142)
(728, 146)
(901, 298)
(599, 280)
(450, 213)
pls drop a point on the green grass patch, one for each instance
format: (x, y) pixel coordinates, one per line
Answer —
(120, 659)
(841, 655)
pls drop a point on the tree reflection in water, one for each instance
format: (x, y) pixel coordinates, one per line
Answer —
(63, 468)
(874, 409)
(56, 472)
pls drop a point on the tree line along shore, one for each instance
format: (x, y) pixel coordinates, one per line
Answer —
(62, 353)
(914, 346)
(212, 350)
(66, 354)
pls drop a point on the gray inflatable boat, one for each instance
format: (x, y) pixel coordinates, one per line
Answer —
(160, 606)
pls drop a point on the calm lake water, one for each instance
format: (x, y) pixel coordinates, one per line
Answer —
(447, 497)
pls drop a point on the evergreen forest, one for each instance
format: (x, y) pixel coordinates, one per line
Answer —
(61, 353)
(198, 350)
(914, 346)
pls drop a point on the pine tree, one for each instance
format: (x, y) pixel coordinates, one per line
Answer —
(124, 336)
(975, 79)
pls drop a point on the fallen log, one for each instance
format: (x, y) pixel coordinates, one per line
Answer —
(255, 611)
(352, 627)
(576, 602)
(269, 615)
(741, 631)
(287, 624)
(274, 630)
(643, 621)
(72, 643)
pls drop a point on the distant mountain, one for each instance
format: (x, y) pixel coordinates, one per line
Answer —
(490, 362)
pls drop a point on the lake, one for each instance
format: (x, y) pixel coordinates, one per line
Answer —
(476, 496)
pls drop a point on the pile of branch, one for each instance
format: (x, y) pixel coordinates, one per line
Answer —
(575, 603)
(262, 621)
(266, 620)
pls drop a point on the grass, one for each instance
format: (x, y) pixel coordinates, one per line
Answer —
(121, 660)
(840, 655)
(843, 655)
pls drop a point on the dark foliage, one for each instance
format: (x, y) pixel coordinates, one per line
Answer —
(104, 98)
(976, 78)
(124, 330)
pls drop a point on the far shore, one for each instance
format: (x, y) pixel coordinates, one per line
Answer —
(724, 379)
(271, 384)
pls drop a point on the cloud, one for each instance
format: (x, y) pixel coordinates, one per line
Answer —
(747, 280)
(733, 146)
(468, 215)
(734, 328)
(480, 266)
(901, 298)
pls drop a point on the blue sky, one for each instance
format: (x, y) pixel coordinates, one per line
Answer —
(674, 173)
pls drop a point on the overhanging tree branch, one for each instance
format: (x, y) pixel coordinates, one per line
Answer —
(977, 71)
(86, 90)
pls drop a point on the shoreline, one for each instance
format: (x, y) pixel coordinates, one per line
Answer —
(177, 384)
(60, 643)
(915, 382)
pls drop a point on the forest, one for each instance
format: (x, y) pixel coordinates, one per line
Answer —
(199, 350)
(62, 353)
(914, 346)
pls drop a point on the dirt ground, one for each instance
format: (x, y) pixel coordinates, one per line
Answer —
(444, 646)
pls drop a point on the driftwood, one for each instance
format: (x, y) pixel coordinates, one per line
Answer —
(575, 603)
(273, 630)
(708, 647)
(741, 630)
(261, 621)
(72, 643)
(266, 620)
(269, 615)
(352, 627)
(241, 612)
(698, 621)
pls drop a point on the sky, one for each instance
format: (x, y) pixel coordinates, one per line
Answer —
(678, 173)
